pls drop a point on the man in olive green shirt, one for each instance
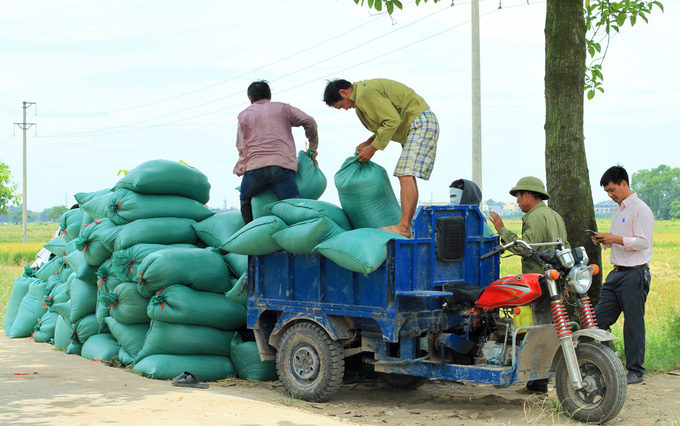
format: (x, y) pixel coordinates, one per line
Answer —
(393, 112)
(540, 224)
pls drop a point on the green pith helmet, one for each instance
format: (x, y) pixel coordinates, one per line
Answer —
(533, 184)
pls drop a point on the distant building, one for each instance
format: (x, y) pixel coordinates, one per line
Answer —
(605, 208)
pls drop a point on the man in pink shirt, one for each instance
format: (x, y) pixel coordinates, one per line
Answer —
(266, 147)
(626, 287)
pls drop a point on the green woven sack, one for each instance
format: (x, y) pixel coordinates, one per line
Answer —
(310, 180)
(100, 347)
(56, 246)
(49, 268)
(200, 269)
(296, 210)
(205, 368)
(217, 229)
(260, 202)
(182, 305)
(239, 292)
(125, 263)
(130, 337)
(302, 237)
(101, 312)
(366, 195)
(74, 347)
(84, 197)
(93, 249)
(184, 339)
(124, 358)
(125, 304)
(64, 310)
(255, 238)
(83, 299)
(106, 279)
(69, 224)
(57, 295)
(237, 263)
(43, 332)
(62, 334)
(19, 291)
(247, 363)
(81, 268)
(86, 327)
(159, 230)
(30, 310)
(360, 250)
(124, 206)
(165, 177)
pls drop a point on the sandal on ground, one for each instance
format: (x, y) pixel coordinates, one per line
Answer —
(188, 380)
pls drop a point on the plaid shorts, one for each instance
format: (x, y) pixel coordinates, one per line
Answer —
(420, 149)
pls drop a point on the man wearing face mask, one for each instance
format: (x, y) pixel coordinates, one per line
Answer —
(464, 192)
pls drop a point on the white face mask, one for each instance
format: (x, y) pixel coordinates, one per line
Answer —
(455, 194)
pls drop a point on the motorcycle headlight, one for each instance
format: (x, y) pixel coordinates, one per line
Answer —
(579, 279)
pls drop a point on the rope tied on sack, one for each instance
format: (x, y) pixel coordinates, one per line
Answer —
(158, 298)
(49, 301)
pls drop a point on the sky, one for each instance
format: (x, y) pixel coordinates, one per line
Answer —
(119, 83)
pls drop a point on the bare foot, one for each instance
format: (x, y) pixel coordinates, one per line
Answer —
(397, 229)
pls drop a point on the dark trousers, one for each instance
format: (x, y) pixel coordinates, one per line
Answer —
(626, 292)
(280, 180)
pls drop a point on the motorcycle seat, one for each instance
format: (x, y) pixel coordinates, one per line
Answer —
(463, 292)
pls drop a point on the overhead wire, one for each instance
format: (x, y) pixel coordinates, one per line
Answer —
(105, 131)
(115, 129)
(377, 16)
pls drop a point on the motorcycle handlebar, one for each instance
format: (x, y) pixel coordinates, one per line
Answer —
(495, 251)
(501, 249)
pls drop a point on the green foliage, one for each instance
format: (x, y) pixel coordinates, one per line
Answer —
(54, 213)
(389, 4)
(8, 194)
(675, 209)
(660, 189)
(603, 18)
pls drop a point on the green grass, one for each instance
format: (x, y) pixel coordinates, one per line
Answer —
(662, 316)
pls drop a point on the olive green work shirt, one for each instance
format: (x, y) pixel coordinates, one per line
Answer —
(387, 108)
(541, 224)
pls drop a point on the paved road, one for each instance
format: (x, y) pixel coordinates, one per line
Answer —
(69, 389)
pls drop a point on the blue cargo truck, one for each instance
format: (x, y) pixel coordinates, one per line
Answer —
(435, 308)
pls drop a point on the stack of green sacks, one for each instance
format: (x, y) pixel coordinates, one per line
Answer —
(145, 275)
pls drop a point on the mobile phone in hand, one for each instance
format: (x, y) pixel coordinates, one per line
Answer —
(591, 232)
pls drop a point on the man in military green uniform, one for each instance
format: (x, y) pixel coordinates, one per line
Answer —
(540, 224)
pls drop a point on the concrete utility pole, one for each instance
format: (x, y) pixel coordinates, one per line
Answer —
(24, 212)
(476, 100)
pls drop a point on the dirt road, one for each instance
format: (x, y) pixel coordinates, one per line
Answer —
(40, 385)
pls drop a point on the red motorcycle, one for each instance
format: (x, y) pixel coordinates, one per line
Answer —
(522, 321)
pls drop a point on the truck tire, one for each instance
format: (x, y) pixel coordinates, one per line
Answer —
(605, 384)
(401, 381)
(310, 364)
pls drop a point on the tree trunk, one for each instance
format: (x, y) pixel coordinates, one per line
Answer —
(567, 178)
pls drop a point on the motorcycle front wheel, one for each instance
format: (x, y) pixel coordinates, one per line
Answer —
(604, 380)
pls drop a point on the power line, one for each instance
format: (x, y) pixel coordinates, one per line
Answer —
(87, 133)
(114, 129)
(243, 74)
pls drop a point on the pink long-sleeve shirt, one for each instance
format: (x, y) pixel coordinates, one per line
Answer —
(265, 137)
(633, 220)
